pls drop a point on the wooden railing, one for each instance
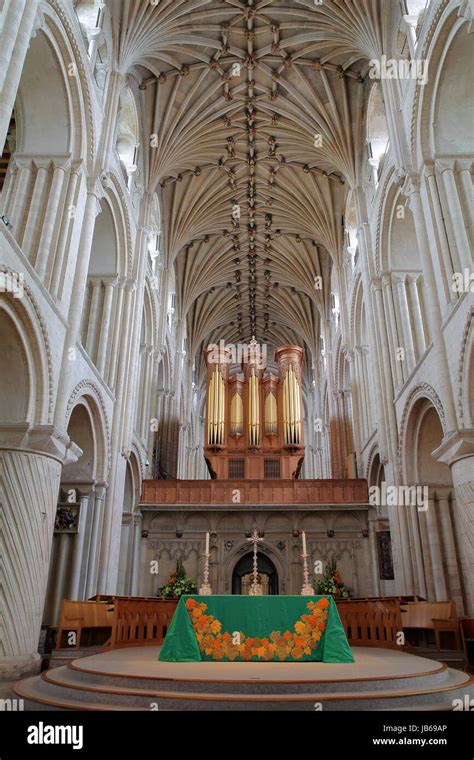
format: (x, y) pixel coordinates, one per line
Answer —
(140, 622)
(371, 623)
(278, 492)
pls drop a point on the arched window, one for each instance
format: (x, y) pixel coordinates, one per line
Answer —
(377, 130)
(101, 313)
(350, 228)
(415, 7)
(127, 141)
(90, 14)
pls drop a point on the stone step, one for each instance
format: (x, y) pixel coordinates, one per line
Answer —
(55, 691)
(76, 676)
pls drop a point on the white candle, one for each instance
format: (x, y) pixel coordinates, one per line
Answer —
(207, 543)
(304, 543)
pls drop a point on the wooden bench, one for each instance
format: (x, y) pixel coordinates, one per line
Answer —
(372, 622)
(438, 617)
(124, 620)
(78, 617)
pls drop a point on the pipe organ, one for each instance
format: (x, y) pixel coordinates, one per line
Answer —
(254, 426)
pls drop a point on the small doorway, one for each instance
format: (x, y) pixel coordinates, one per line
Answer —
(242, 576)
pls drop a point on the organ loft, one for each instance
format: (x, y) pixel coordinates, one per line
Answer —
(254, 427)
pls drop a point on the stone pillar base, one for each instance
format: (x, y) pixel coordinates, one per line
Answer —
(23, 666)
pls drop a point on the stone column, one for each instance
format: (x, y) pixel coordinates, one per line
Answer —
(458, 225)
(427, 587)
(9, 185)
(36, 204)
(435, 550)
(110, 538)
(61, 572)
(421, 339)
(406, 324)
(392, 328)
(457, 451)
(372, 520)
(45, 250)
(92, 324)
(112, 371)
(136, 554)
(147, 382)
(65, 230)
(77, 299)
(19, 194)
(31, 459)
(77, 560)
(96, 532)
(102, 351)
(419, 534)
(444, 264)
(450, 552)
(465, 168)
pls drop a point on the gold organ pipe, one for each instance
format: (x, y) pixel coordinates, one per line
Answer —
(218, 397)
(215, 408)
(251, 409)
(254, 409)
(297, 409)
(292, 404)
(285, 409)
(257, 410)
(210, 408)
(222, 414)
(295, 403)
(252, 390)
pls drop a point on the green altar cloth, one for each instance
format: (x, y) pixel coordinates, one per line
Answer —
(257, 629)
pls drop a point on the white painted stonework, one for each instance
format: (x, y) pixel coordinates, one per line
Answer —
(119, 262)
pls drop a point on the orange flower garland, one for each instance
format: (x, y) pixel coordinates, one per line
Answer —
(308, 631)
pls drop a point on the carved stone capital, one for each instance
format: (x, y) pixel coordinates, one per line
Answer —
(455, 446)
(42, 439)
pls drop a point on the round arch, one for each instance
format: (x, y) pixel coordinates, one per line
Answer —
(242, 574)
(445, 95)
(88, 396)
(54, 107)
(26, 361)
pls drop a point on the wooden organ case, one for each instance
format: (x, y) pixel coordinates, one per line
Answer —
(254, 420)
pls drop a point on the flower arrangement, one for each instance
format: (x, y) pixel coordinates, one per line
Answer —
(332, 582)
(305, 637)
(178, 584)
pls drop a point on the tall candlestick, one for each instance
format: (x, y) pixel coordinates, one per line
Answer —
(205, 589)
(307, 589)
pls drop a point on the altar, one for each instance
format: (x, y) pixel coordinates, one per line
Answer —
(256, 628)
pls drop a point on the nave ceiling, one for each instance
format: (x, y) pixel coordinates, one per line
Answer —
(256, 110)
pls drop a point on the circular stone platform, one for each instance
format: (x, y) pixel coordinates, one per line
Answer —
(134, 679)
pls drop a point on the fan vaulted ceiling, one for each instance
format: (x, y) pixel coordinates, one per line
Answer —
(256, 110)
